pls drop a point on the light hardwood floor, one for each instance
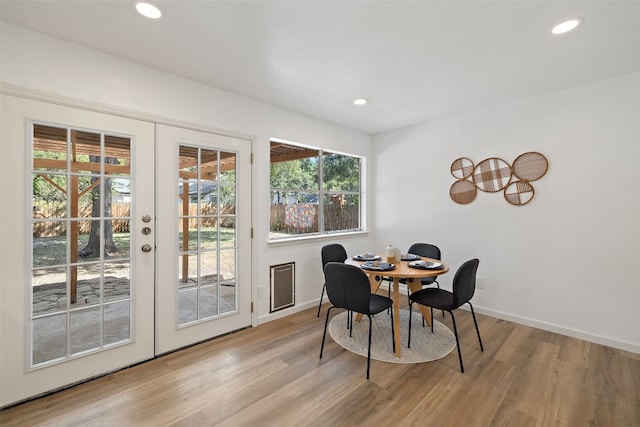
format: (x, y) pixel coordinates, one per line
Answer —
(271, 376)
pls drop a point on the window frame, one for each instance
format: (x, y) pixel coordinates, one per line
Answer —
(322, 192)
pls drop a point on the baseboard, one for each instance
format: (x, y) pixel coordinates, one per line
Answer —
(303, 306)
(574, 333)
(288, 311)
(545, 326)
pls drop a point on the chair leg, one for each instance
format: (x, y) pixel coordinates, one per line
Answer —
(350, 322)
(321, 297)
(390, 280)
(393, 334)
(438, 285)
(477, 330)
(324, 334)
(410, 316)
(431, 311)
(455, 332)
(369, 351)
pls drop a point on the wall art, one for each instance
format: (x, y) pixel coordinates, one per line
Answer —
(494, 174)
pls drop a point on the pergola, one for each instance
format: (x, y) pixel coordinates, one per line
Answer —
(281, 152)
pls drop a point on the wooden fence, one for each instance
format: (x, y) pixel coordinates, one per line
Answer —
(336, 217)
(54, 223)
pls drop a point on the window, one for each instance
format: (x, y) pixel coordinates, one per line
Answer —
(313, 191)
(81, 261)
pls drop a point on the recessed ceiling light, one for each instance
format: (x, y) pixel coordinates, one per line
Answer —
(148, 10)
(566, 26)
(360, 101)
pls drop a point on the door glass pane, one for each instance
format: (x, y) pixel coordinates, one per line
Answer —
(52, 189)
(120, 243)
(206, 185)
(227, 297)
(49, 290)
(227, 199)
(208, 268)
(81, 246)
(51, 143)
(49, 338)
(208, 232)
(117, 281)
(117, 151)
(51, 247)
(228, 232)
(187, 234)
(209, 297)
(187, 270)
(85, 152)
(85, 330)
(116, 322)
(208, 195)
(88, 286)
(188, 303)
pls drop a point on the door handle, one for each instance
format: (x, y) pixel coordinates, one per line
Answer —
(146, 247)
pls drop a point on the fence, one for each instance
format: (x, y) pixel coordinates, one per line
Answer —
(299, 218)
(302, 218)
(56, 215)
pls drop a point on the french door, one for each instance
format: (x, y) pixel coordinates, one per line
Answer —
(203, 235)
(107, 257)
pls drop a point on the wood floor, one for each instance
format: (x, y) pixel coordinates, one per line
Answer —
(271, 376)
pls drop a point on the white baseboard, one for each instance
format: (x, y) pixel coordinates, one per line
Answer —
(574, 333)
(545, 326)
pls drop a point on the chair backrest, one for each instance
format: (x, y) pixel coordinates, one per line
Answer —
(426, 250)
(464, 282)
(347, 287)
(333, 252)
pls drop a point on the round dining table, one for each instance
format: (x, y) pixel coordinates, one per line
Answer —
(412, 277)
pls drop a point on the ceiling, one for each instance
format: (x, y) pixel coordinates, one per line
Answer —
(414, 61)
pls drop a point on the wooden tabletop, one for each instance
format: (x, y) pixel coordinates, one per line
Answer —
(403, 270)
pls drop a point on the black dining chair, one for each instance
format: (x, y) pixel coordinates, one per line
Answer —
(333, 252)
(429, 251)
(464, 286)
(424, 250)
(348, 288)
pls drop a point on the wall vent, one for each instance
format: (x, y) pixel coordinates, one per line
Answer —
(283, 278)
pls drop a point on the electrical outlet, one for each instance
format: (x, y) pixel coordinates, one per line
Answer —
(479, 282)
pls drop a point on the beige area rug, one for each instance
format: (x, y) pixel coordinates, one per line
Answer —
(425, 346)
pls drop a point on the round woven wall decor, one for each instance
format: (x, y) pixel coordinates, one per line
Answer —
(462, 168)
(463, 191)
(530, 166)
(492, 175)
(519, 193)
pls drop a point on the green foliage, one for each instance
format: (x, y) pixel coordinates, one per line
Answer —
(341, 173)
(295, 174)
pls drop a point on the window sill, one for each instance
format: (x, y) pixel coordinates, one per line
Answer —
(315, 237)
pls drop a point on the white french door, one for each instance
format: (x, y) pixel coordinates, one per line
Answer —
(203, 236)
(70, 312)
(119, 240)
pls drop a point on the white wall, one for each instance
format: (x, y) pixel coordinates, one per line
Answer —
(565, 262)
(40, 63)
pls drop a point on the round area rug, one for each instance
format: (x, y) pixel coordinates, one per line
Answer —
(425, 346)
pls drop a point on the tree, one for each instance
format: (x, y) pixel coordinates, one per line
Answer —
(341, 172)
(92, 249)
